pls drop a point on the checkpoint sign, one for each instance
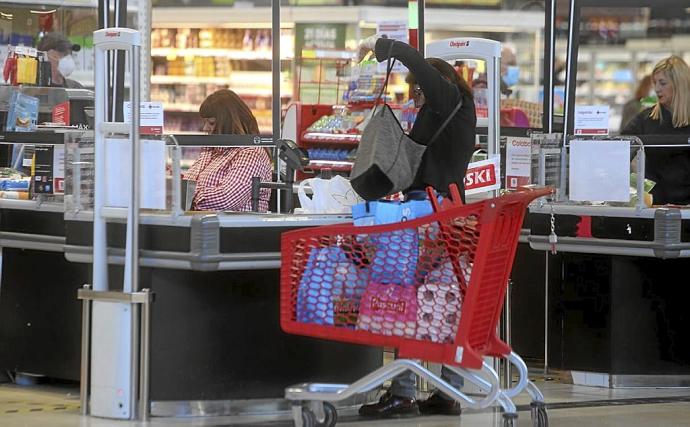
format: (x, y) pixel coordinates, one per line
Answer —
(591, 120)
(483, 176)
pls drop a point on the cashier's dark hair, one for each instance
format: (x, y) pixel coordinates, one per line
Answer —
(232, 115)
(448, 72)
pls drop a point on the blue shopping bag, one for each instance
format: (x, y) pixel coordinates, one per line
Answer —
(330, 281)
(396, 254)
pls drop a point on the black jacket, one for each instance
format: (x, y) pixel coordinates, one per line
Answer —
(668, 167)
(445, 161)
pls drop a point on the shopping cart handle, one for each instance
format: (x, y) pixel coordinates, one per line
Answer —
(453, 200)
(541, 190)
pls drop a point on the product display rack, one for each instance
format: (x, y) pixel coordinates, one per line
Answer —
(191, 63)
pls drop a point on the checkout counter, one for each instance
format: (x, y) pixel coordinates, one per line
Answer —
(616, 288)
(215, 332)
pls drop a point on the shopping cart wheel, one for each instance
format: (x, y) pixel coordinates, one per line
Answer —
(331, 415)
(510, 420)
(539, 416)
(308, 418)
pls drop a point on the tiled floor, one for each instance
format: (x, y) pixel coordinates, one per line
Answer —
(570, 406)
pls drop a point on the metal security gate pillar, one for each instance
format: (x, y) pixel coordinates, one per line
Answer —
(488, 51)
(115, 327)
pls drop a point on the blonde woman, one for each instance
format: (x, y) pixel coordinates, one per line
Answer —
(669, 168)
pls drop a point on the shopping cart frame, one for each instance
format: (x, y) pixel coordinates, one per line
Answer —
(311, 405)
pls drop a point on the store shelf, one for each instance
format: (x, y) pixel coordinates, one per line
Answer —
(219, 53)
(234, 84)
(333, 165)
(323, 137)
(63, 3)
(181, 107)
(365, 16)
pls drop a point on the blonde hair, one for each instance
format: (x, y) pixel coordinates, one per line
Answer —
(678, 72)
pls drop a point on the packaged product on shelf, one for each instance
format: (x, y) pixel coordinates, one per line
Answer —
(14, 195)
(15, 184)
(22, 114)
(27, 70)
(21, 66)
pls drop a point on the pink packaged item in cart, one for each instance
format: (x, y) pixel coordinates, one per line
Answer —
(388, 309)
(439, 304)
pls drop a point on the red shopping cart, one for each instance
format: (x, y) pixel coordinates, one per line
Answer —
(432, 288)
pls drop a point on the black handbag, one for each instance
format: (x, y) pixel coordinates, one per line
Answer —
(387, 159)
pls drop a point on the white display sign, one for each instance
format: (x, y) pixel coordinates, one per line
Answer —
(518, 161)
(151, 117)
(119, 175)
(26, 51)
(591, 120)
(599, 171)
(395, 30)
(483, 176)
(58, 170)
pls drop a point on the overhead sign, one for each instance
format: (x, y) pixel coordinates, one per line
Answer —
(591, 120)
(319, 36)
(483, 176)
(395, 30)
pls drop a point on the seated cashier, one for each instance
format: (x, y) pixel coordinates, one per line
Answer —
(669, 168)
(223, 175)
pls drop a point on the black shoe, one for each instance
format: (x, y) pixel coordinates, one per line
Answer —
(437, 404)
(390, 406)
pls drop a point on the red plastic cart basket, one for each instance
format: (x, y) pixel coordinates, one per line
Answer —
(432, 287)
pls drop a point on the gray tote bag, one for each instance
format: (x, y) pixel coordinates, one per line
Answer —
(387, 159)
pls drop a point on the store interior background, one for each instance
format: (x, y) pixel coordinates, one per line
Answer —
(202, 45)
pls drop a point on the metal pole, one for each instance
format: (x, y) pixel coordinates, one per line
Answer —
(85, 354)
(420, 26)
(100, 255)
(571, 71)
(144, 24)
(494, 131)
(136, 171)
(277, 105)
(119, 86)
(144, 358)
(546, 315)
(506, 379)
(549, 52)
(135, 52)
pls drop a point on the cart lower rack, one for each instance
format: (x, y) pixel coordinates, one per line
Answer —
(432, 288)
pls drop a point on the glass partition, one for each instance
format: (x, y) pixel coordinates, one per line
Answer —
(617, 44)
(619, 47)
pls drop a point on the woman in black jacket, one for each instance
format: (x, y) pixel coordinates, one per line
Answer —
(437, 89)
(669, 168)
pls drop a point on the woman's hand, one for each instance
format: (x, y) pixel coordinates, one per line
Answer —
(367, 45)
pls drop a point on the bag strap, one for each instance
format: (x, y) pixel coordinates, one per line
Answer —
(389, 69)
(445, 123)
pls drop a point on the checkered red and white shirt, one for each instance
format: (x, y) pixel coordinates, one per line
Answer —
(224, 178)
